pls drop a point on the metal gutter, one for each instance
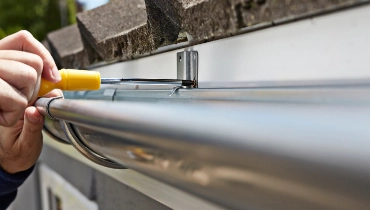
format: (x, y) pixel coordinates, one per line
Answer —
(261, 155)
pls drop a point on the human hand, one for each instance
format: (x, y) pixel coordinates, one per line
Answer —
(23, 60)
(21, 144)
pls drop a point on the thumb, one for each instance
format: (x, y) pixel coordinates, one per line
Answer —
(28, 144)
(32, 127)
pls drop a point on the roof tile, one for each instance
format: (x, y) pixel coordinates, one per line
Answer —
(117, 30)
(125, 28)
(66, 48)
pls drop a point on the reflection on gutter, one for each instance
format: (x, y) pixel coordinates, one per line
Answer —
(239, 154)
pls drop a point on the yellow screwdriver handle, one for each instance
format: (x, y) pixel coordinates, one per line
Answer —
(73, 80)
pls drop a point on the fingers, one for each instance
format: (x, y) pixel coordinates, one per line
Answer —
(20, 76)
(30, 139)
(24, 41)
(33, 123)
(29, 59)
(20, 73)
(12, 104)
(54, 93)
(20, 145)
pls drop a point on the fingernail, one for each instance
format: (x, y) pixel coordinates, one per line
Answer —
(56, 74)
(33, 119)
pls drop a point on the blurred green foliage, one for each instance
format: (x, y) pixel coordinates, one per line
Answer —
(37, 16)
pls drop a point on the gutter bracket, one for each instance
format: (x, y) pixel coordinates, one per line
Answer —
(187, 67)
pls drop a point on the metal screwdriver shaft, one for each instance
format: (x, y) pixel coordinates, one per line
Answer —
(136, 81)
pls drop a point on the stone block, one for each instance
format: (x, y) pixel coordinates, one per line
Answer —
(66, 48)
(122, 29)
(117, 30)
(202, 19)
(205, 19)
(252, 12)
(164, 30)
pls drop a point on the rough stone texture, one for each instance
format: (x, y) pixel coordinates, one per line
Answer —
(164, 31)
(251, 12)
(285, 8)
(117, 30)
(205, 19)
(202, 19)
(122, 29)
(66, 48)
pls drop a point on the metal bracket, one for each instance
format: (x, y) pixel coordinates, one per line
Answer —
(187, 75)
(187, 67)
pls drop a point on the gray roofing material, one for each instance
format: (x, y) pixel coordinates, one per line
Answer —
(66, 47)
(117, 30)
(123, 29)
(202, 19)
(164, 30)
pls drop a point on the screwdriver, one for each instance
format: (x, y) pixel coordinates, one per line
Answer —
(83, 80)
